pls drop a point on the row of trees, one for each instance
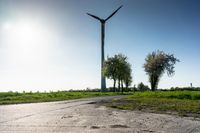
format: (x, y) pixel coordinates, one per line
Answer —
(156, 64)
(119, 70)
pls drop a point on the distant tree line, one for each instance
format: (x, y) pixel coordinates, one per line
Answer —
(185, 88)
(140, 87)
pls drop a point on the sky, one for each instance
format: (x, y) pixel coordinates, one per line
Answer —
(53, 45)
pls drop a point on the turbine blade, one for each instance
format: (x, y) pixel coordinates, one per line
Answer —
(113, 13)
(94, 16)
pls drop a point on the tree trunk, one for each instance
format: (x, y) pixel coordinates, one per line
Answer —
(114, 86)
(118, 85)
(126, 86)
(152, 83)
(122, 86)
(154, 79)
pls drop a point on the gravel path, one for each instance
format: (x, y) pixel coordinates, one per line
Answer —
(86, 115)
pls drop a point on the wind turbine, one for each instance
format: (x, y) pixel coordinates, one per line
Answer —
(103, 21)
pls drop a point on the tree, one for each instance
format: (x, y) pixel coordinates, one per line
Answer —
(127, 78)
(142, 87)
(118, 69)
(121, 70)
(110, 69)
(156, 64)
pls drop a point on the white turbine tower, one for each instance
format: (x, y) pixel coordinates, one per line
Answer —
(103, 21)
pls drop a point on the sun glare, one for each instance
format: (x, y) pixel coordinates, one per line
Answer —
(23, 31)
(6, 26)
(27, 41)
(26, 32)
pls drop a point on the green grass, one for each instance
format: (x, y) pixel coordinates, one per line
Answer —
(192, 95)
(15, 97)
(184, 103)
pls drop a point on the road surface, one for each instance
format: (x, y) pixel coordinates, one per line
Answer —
(87, 115)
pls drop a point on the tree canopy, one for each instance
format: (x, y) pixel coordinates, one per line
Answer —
(156, 64)
(118, 69)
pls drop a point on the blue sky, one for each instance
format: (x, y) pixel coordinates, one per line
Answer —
(54, 45)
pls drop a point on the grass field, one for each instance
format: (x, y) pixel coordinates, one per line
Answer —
(184, 103)
(15, 97)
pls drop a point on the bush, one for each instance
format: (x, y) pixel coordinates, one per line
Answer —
(142, 87)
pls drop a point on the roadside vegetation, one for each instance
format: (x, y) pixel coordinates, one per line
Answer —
(184, 103)
(30, 97)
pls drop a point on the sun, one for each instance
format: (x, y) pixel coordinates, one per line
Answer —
(26, 41)
(26, 32)
(23, 31)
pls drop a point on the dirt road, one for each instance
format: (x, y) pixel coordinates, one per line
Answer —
(86, 115)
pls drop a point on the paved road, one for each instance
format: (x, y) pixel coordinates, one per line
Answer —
(86, 115)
